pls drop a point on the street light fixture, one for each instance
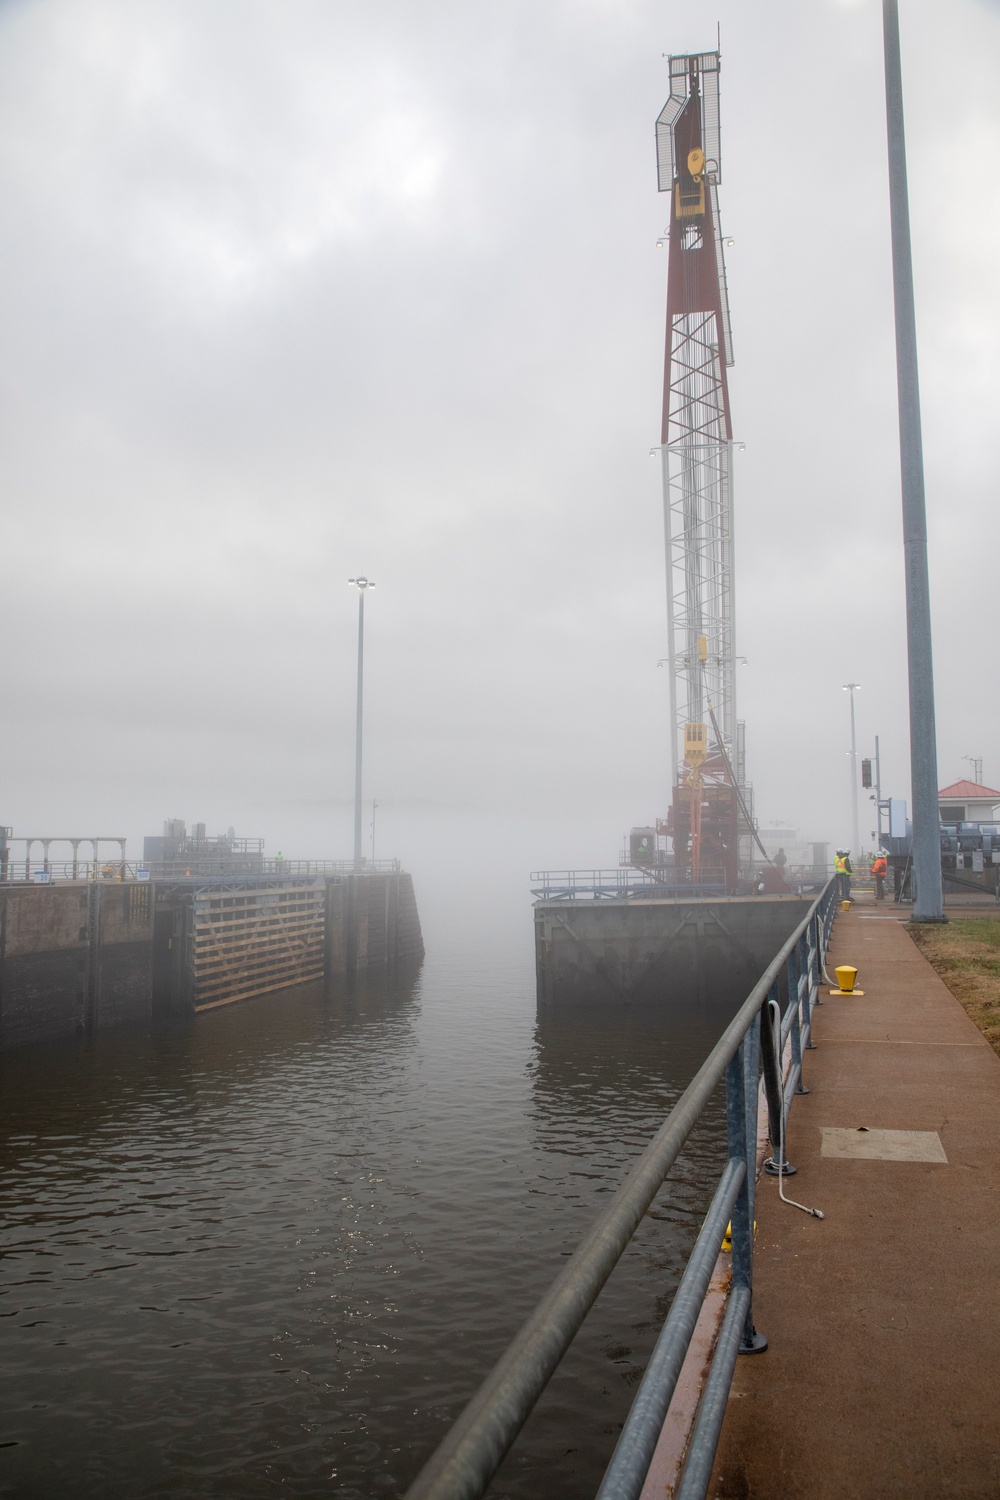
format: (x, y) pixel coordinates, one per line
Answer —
(362, 585)
(852, 688)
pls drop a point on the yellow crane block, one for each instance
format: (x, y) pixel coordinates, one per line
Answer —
(695, 744)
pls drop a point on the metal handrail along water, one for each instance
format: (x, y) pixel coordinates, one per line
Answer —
(625, 882)
(466, 1460)
(24, 871)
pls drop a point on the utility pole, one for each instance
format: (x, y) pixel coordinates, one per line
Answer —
(928, 905)
(362, 584)
(878, 792)
(852, 687)
(976, 762)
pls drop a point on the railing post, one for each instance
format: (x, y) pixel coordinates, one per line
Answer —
(817, 930)
(794, 1003)
(812, 979)
(751, 1342)
(751, 1092)
(777, 1164)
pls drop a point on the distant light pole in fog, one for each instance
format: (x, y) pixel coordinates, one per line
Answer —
(361, 584)
(852, 687)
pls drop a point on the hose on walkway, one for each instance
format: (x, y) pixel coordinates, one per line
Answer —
(774, 1021)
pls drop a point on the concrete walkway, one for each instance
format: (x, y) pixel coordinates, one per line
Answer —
(884, 1318)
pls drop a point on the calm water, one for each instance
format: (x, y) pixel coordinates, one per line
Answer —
(272, 1251)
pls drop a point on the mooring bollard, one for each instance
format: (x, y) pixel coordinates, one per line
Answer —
(847, 978)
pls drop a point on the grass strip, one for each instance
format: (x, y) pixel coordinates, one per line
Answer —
(966, 954)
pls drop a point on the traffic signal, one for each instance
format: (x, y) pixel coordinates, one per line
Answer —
(866, 773)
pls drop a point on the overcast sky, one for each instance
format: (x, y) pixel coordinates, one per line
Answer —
(295, 290)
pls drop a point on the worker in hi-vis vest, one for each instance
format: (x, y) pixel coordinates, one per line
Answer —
(879, 867)
(842, 869)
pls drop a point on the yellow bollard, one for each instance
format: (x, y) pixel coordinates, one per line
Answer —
(727, 1238)
(847, 978)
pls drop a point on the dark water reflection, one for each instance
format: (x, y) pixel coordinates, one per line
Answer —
(273, 1250)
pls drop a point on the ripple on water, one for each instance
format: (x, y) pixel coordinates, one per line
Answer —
(274, 1250)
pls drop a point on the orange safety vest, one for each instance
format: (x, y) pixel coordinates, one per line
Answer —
(879, 867)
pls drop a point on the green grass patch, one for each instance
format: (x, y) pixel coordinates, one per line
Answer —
(966, 954)
(979, 929)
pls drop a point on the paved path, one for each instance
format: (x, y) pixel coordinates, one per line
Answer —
(883, 1319)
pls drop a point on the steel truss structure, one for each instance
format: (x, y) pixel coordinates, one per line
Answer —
(696, 447)
(696, 433)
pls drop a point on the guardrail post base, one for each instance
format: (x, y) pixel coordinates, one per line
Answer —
(779, 1168)
(752, 1342)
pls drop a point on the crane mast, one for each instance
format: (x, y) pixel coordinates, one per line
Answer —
(707, 773)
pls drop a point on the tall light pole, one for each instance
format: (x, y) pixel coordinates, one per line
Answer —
(928, 905)
(852, 687)
(361, 584)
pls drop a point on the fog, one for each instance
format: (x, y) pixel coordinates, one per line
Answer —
(292, 292)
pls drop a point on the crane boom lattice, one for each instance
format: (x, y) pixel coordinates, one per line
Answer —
(696, 450)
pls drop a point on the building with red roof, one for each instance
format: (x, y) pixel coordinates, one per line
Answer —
(968, 802)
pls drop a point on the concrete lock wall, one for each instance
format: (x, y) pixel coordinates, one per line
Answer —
(371, 922)
(73, 957)
(624, 952)
(88, 956)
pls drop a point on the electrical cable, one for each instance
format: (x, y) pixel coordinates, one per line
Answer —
(732, 777)
(821, 951)
(902, 883)
(774, 1021)
(773, 1008)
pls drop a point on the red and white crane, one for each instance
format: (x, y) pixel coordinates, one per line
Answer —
(696, 445)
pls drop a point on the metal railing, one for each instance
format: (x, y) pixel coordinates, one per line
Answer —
(215, 869)
(621, 883)
(469, 1456)
(19, 871)
(46, 872)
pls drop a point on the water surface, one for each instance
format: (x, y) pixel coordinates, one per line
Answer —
(271, 1251)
